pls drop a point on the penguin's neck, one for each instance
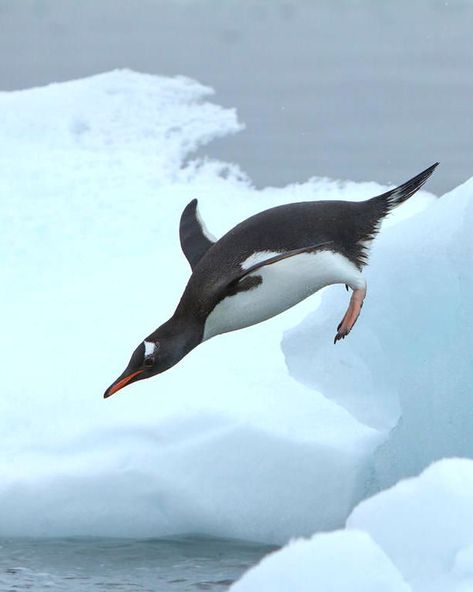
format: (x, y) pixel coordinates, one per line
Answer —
(183, 329)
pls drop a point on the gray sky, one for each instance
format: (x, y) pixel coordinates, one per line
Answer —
(365, 90)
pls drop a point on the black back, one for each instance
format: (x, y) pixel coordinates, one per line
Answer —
(346, 227)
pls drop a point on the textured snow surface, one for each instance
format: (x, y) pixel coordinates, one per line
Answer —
(342, 561)
(95, 174)
(416, 536)
(425, 525)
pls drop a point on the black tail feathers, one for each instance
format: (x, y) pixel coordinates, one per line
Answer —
(400, 194)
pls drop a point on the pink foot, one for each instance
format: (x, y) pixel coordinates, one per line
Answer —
(351, 315)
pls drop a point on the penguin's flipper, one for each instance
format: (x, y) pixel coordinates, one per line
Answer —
(280, 257)
(195, 240)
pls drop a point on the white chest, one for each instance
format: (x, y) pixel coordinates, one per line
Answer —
(284, 284)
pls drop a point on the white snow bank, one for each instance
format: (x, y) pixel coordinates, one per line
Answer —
(420, 531)
(95, 174)
(425, 525)
(94, 180)
(335, 562)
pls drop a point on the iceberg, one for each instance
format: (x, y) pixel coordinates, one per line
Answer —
(424, 525)
(263, 434)
(341, 561)
(415, 536)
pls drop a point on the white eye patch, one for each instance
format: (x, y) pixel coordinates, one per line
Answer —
(150, 348)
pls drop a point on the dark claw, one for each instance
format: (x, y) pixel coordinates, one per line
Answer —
(339, 335)
(346, 286)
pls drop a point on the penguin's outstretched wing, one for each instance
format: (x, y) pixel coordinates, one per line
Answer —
(245, 272)
(195, 240)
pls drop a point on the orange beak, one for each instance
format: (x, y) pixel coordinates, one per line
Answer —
(116, 386)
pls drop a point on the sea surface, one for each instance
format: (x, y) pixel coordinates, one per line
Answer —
(91, 564)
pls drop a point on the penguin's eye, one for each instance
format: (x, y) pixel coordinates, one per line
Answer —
(149, 362)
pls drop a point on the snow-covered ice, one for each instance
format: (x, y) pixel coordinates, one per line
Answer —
(263, 434)
(425, 525)
(416, 536)
(342, 561)
(93, 264)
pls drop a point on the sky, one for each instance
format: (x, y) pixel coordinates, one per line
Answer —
(358, 90)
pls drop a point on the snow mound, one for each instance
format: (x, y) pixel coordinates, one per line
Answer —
(415, 536)
(335, 562)
(425, 525)
(118, 112)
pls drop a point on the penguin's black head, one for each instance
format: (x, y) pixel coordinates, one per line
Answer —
(157, 353)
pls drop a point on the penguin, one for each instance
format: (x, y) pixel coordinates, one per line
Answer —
(263, 266)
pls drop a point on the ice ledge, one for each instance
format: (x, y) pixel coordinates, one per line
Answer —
(415, 536)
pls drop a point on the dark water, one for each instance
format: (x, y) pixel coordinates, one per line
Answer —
(164, 565)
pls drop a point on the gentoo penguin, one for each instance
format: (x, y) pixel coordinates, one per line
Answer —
(263, 266)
